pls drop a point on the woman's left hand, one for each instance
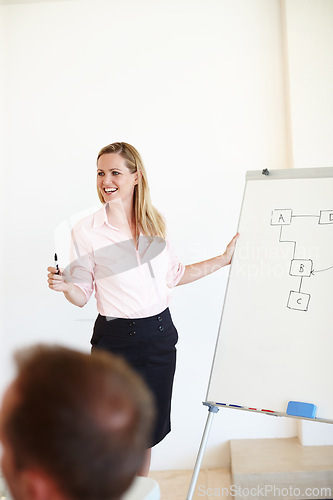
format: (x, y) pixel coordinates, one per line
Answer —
(196, 271)
(230, 249)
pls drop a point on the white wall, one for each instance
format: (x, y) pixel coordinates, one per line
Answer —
(309, 64)
(3, 354)
(198, 86)
(309, 40)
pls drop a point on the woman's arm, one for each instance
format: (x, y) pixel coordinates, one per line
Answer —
(76, 281)
(73, 293)
(198, 270)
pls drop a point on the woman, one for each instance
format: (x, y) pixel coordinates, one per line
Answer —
(110, 250)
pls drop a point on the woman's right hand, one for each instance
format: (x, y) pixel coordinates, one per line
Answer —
(56, 281)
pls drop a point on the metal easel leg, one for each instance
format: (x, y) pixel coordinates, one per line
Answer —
(212, 409)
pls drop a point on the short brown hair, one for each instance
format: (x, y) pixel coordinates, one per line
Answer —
(85, 420)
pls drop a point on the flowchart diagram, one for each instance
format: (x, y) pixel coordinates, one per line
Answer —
(302, 268)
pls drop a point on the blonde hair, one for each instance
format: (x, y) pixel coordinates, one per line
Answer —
(147, 217)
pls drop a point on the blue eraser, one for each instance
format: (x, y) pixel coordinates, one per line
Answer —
(299, 409)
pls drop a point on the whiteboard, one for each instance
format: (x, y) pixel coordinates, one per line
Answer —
(275, 340)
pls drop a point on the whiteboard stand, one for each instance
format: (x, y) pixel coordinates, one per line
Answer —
(286, 242)
(212, 409)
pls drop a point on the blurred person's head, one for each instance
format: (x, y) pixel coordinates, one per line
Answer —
(73, 426)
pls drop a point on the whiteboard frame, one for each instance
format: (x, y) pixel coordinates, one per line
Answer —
(298, 173)
(295, 173)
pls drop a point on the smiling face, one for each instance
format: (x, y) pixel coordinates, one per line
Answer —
(114, 180)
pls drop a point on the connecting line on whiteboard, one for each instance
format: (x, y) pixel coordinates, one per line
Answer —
(287, 241)
(321, 270)
(299, 216)
(300, 285)
(302, 268)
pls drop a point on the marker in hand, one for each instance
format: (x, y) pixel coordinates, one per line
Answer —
(56, 263)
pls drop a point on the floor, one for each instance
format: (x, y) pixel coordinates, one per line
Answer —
(282, 468)
(174, 485)
(284, 464)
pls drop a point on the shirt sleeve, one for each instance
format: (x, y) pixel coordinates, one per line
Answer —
(81, 268)
(175, 268)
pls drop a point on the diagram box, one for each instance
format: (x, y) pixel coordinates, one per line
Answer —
(298, 301)
(300, 267)
(326, 217)
(281, 217)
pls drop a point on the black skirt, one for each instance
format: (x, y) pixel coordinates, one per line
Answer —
(148, 345)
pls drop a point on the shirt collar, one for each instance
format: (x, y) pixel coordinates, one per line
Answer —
(100, 217)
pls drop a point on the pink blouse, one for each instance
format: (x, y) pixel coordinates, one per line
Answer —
(128, 282)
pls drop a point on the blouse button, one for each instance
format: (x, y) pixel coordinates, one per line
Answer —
(160, 328)
(159, 318)
(132, 323)
(132, 333)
